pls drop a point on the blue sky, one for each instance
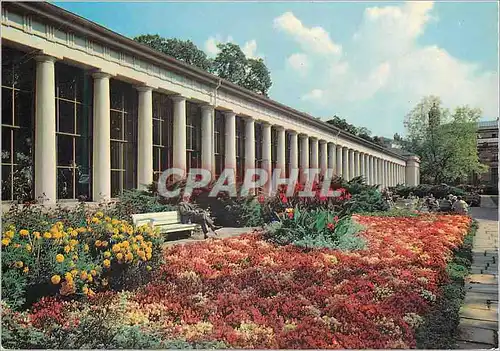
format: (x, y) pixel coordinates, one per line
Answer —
(368, 62)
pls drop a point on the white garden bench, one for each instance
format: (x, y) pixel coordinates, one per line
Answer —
(166, 222)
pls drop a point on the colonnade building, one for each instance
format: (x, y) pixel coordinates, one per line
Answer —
(88, 113)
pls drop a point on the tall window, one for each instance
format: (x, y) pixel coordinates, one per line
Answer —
(258, 145)
(288, 153)
(123, 137)
(240, 148)
(274, 148)
(18, 78)
(219, 142)
(193, 135)
(73, 131)
(162, 133)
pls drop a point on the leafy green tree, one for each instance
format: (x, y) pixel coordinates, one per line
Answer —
(445, 141)
(183, 50)
(257, 76)
(230, 63)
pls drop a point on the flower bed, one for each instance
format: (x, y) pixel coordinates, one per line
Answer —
(248, 293)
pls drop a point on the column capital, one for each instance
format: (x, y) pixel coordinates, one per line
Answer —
(303, 136)
(45, 58)
(178, 98)
(143, 88)
(207, 107)
(100, 74)
(278, 127)
(266, 124)
(248, 119)
(229, 113)
(322, 141)
(292, 132)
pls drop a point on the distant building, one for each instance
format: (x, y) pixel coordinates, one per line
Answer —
(487, 148)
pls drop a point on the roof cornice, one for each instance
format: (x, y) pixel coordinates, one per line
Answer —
(92, 30)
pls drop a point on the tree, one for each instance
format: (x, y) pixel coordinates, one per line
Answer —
(445, 141)
(230, 63)
(183, 50)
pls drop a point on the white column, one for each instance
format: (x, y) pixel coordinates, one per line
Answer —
(45, 130)
(207, 137)
(386, 174)
(345, 163)
(281, 151)
(266, 154)
(230, 142)
(101, 188)
(294, 150)
(352, 171)
(304, 156)
(357, 168)
(323, 157)
(362, 170)
(145, 138)
(377, 171)
(314, 153)
(249, 144)
(338, 161)
(331, 157)
(179, 139)
(371, 170)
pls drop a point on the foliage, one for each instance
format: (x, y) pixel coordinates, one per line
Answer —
(230, 63)
(445, 141)
(138, 201)
(183, 50)
(362, 132)
(439, 331)
(45, 252)
(424, 190)
(393, 212)
(314, 229)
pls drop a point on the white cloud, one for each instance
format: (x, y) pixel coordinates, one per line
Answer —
(385, 66)
(249, 48)
(299, 62)
(314, 39)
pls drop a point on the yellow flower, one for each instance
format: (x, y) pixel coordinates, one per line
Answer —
(24, 232)
(37, 235)
(99, 214)
(73, 242)
(149, 250)
(119, 256)
(149, 268)
(75, 257)
(114, 221)
(93, 272)
(90, 279)
(28, 247)
(107, 254)
(85, 290)
(26, 270)
(104, 244)
(129, 256)
(85, 248)
(95, 220)
(97, 243)
(84, 275)
(55, 279)
(116, 248)
(19, 264)
(107, 219)
(67, 248)
(47, 235)
(125, 243)
(57, 235)
(59, 258)
(106, 263)
(148, 255)
(74, 272)
(5, 241)
(9, 234)
(69, 277)
(80, 230)
(139, 237)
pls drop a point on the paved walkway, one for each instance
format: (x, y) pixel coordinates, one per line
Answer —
(479, 314)
(221, 233)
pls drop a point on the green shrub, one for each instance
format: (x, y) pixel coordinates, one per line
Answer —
(368, 200)
(315, 229)
(393, 212)
(137, 201)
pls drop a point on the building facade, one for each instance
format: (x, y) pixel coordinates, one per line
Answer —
(487, 149)
(87, 113)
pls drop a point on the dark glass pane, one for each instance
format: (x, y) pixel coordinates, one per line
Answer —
(157, 132)
(6, 145)
(130, 166)
(116, 181)
(82, 152)
(7, 106)
(130, 128)
(156, 158)
(7, 69)
(65, 150)
(24, 109)
(65, 183)
(23, 146)
(116, 95)
(24, 75)
(116, 125)
(23, 182)
(66, 87)
(66, 117)
(82, 125)
(116, 155)
(6, 183)
(83, 186)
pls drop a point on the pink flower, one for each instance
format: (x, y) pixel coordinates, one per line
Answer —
(330, 226)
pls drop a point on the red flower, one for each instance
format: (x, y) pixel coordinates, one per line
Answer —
(330, 226)
(261, 199)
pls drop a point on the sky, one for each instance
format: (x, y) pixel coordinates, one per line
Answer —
(367, 62)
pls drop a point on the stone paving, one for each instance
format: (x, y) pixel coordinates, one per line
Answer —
(478, 327)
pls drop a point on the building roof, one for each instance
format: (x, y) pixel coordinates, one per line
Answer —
(78, 24)
(487, 124)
